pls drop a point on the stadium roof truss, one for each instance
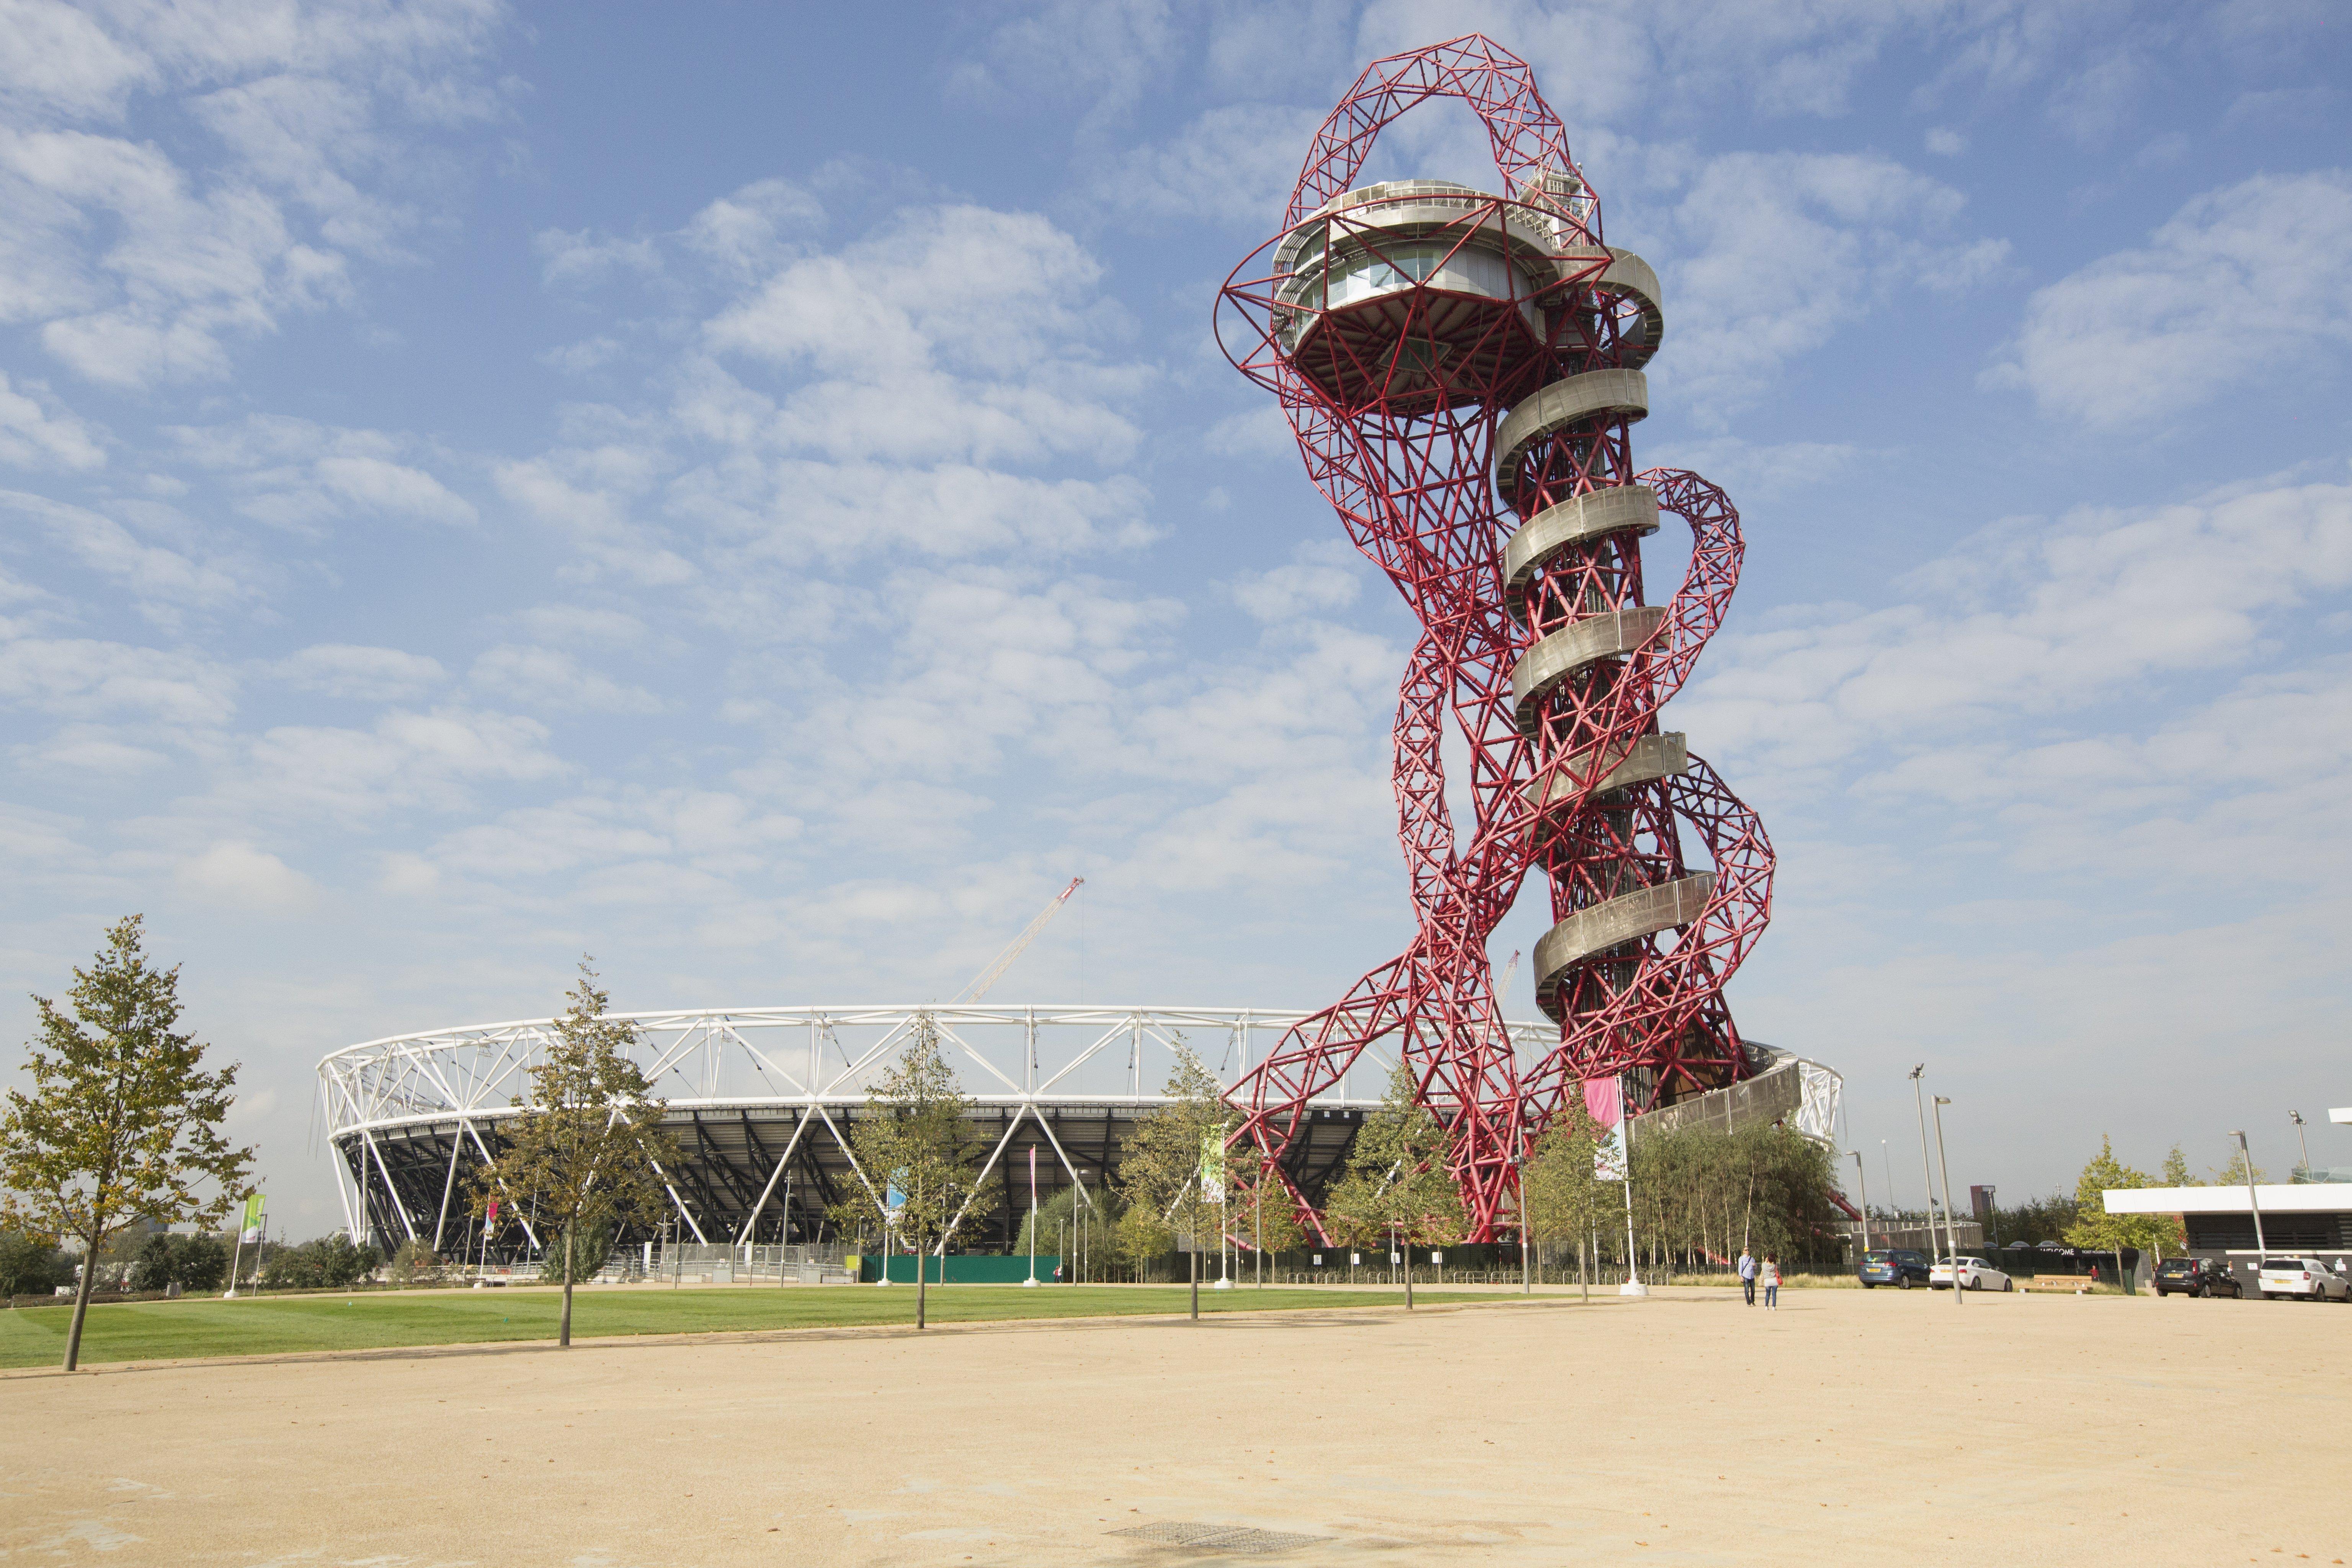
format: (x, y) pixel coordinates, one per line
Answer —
(408, 1114)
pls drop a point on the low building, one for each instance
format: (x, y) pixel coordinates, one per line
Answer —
(2306, 1219)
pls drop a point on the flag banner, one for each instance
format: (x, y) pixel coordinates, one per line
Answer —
(1605, 1098)
(490, 1219)
(894, 1195)
(252, 1227)
(1212, 1166)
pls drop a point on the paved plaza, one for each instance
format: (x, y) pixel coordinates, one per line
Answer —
(1686, 1428)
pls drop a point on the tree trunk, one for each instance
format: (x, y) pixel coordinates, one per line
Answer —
(1408, 1276)
(81, 1301)
(922, 1277)
(1193, 1256)
(563, 1335)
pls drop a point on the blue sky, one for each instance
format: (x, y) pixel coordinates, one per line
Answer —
(749, 492)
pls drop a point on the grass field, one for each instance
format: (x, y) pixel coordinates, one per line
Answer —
(157, 1331)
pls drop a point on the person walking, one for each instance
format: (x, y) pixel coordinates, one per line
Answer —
(1748, 1276)
(1771, 1282)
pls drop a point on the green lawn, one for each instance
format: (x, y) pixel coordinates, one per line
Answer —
(152, 1331)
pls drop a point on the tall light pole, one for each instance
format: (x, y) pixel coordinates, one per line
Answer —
(1926, 1176)
(1951, 1240)
(1864, 1182)
(1887, 1163)
(2261, 1247)
(2296, 1117)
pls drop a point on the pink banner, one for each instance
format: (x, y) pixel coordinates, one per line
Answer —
(1605, 1100)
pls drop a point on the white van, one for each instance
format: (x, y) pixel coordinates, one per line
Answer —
(2306, 1276)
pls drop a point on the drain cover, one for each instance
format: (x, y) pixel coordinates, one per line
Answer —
(1217, 1538)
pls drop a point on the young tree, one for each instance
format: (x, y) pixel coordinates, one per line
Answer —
(124, 1123)
(2097, 1231)
(1165, 1159)
(586, 1154)
(2233, 1174)
(2176, 1170)
(1564, 1198)
(1398, 1183)
(1263, 1212)
(916, 1136)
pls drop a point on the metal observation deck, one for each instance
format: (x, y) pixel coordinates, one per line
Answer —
(762, 1101)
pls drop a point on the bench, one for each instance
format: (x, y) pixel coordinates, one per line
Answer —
(2072, 1284)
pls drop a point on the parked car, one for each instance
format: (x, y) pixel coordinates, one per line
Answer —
(2197, 1277)
(1975, 1274)
(1899, 1266)
(2306, 1276)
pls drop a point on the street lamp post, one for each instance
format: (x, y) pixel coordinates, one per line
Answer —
(1862, 1182)
(1928, 1177)
(1952, 1240)
(2296, 1117)
(1526, 1279)
(2261, 1247)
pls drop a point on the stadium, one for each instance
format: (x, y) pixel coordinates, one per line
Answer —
(761, 1099)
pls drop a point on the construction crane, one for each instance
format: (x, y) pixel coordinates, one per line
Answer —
(1003, 961)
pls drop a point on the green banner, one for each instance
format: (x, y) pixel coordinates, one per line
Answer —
(252, 1227)
(1212, 1166)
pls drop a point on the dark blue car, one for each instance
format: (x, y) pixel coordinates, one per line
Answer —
(1899, 1266)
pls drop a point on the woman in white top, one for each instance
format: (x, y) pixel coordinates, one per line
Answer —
(1770, 1279)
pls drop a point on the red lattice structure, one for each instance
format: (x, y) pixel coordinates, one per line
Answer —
(1463, 370)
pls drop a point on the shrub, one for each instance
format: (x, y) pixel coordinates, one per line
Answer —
(327, 1263)
(29, 1265)
(415, 1263)
(191, 1262)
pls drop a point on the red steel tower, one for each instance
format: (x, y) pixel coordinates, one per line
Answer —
(1463, 372)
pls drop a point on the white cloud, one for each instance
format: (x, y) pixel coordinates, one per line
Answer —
(33, 436)
(1778, 250)
(548, 679)
(2031, 622)
(244, 877)
(1945, 142)
(296, 474)
(1234, 165)
(140, 269)
(2241, 285)
(85, 679)
(363, 674)
(159, 577)
(1320, 577)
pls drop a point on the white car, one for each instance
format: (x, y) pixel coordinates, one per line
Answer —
(1976, 1274)
(2306, 1276)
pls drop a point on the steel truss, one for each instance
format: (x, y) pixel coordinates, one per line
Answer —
(762, 1101)
(1462, 372)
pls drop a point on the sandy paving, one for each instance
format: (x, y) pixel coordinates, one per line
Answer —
(1848, 1426)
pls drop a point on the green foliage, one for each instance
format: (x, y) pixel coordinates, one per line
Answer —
(2036, 1219)
(124, 1121)
(331, 1262)
(191, 1262)
(2096, 1228)
(1703, 1191)
(586, 1154)
(414, 1262)
(1398, 1183)
(589, 1250)
(2233, 1174)
(29, 1265)
(1161, 1165)
(915, 1131)
(1565, 1203)
(2176, 1171)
